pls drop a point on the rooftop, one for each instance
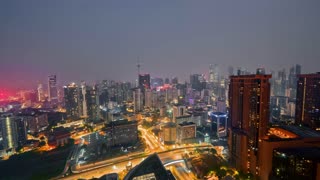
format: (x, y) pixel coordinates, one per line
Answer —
(218, 114)
(170, 124)
(185, 123)
(251, 76)
(306, 152)
(120, 122)
(184, 116)
(301, 131)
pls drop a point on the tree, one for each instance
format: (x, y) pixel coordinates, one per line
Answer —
(155, 117)
(19, 148)
(243, 176)
(42, 143)
(42, 138)
(221, 173)
(213, 151)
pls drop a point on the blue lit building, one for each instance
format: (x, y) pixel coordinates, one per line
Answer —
(219, 123)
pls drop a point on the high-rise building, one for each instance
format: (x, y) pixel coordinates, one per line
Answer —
(298, 69)
(292, 81)
(177, 111)
(230, 71)
(40, 92)
(9, 134)
(83, 99)
(308, 100)
(167, 81)
(137, 99)
(148, 98)
(122, 132)
(156, 82)
(174, 80)
(92, 103)
(219, 123)
(144, 81)
(249, 97)
(72, 102)
(213, 73)
(21, 130)
(196, 83)
(52, 89)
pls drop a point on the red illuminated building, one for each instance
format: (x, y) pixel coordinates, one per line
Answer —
(249, 97)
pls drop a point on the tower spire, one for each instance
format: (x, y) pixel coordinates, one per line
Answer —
(138, 65)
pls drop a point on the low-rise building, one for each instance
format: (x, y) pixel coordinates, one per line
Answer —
(122, 132)
(58, 137)
(186, 130)
(168, 133)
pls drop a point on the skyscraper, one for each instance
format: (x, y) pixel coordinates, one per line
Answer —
(308, 100)
(137, 99)
(213, 73)
(148, 98)
(298, 69)
(92, 103)
(72, 103)
(196, 83)
(144, 81)
(9, 134)
(52, 89)
(174, 80)
(230, 70)
(249, 97)
(40, 92)
(83, 99)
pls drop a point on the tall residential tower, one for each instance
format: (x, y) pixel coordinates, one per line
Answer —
(308, 100)
(249, 97)
(52, 89)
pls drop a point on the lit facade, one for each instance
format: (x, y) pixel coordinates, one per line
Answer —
(308, 100)
(40, 92)
(52, 89)
(169, 133)
(122, 132)
(249, 97)
(219, 122)
(296, 163)
(92, 103)
(283, 137)
(144, 81)
(178, 110)
(72, 102)
(186, 130)
(83, 99)
(137, 99)
(9, 134)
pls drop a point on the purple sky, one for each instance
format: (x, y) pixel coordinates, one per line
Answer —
(95, 40)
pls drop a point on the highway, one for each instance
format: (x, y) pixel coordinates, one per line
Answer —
(118, 164)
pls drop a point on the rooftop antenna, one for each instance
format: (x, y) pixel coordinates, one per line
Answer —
(138, 66)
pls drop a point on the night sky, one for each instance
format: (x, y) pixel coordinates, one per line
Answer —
(95, 40)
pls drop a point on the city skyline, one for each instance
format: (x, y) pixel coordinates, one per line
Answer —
(95, 41)
(160, 90)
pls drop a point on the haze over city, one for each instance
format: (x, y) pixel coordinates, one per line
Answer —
(163, 90)
(91, 40)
